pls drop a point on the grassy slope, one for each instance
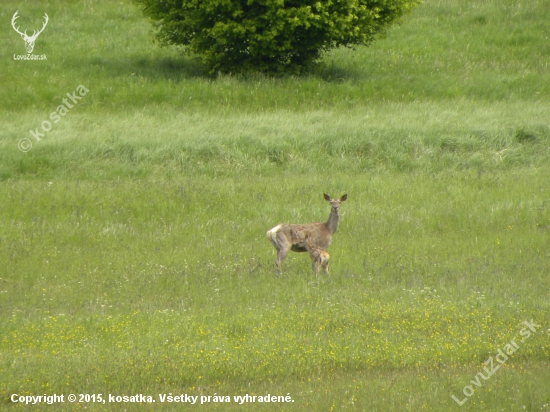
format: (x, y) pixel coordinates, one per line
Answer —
(132, 234)
(454, 77)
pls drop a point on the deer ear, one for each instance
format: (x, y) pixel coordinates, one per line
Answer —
(327, 197)
(343, 198)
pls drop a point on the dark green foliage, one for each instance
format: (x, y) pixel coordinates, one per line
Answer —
(269, 36)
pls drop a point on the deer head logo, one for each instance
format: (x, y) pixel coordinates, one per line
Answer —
(29, 40)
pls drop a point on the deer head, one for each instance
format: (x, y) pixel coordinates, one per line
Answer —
(334, 217)
(29, 40)
(335, 202)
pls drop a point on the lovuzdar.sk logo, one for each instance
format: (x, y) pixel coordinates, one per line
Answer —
(29, 40)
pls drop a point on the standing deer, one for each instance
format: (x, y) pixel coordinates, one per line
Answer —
(319, 259)
(29, 40)
(286, 237)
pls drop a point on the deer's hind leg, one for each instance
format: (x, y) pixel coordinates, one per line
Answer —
(324, 259)
(281, 256)
(281, 244)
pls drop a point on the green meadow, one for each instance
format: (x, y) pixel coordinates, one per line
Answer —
(133, 249)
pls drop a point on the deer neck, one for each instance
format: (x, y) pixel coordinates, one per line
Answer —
(332, 223)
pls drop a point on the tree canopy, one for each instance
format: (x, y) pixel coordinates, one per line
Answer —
(269, 36)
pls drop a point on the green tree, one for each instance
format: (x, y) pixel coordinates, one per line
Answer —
(270, 36)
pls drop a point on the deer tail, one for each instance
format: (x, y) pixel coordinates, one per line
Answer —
(272, 234)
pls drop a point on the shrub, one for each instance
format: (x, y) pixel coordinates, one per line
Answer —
(269, 36)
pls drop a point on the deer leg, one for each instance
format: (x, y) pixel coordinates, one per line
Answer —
(322, 260)
(314, 262)
(281, 256)
(283, 246)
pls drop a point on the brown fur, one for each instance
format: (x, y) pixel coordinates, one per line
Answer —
(286, 237)
(319, 259)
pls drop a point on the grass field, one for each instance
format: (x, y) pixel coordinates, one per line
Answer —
(132, 234)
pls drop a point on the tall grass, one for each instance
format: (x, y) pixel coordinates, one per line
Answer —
(389, 137)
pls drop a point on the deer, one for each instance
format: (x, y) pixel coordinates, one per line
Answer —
(29, 40)
(299, 238)
(319, 259)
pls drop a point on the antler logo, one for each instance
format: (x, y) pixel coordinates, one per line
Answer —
(29, 40)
